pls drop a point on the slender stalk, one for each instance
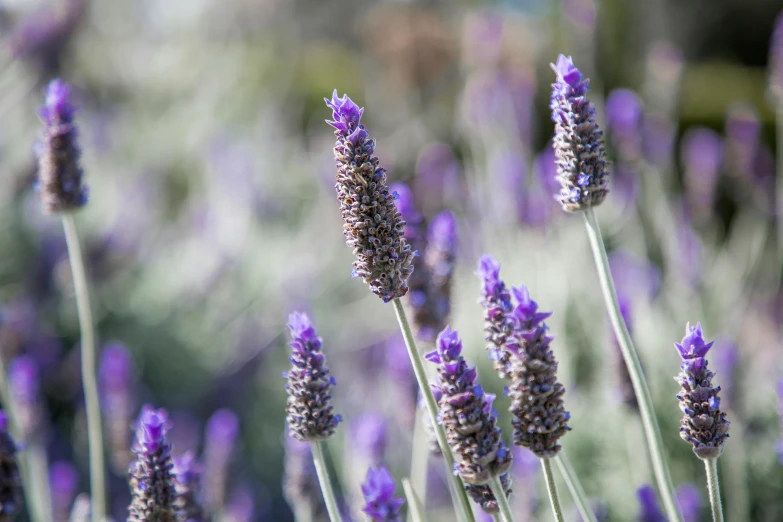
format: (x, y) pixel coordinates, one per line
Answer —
(302, 513)
(575, 487)
(432, 409)
(326, 484)
(415, 509)
(500, 497)
(89, 377)
(419, 459)
(551, 488)
(651, 430)
(38, 468)
(711, 467)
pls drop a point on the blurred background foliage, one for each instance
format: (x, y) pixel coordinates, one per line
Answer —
(212, 216)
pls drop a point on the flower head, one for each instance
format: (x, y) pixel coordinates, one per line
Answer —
(496, 301)
(578, 142)
(59, 174)
(309, 385)
(187, 475)
(373, 226)
(116, 380)
(467, 414)
(380, 503)
(368, 436)
(704, 425)
(702, 157)
(648, 502)
(63, 484)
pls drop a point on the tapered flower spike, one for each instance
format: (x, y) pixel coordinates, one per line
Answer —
(496, 301)
(151, 477)
(380, 503)
(483, 496)
(373, 226)
(187, 485)
(704, 425)
(578, 141)
(59, 183)
(467, 414)
(540, 418)
(440, 258)
(309, 385)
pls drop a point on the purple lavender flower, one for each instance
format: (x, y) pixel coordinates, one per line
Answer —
(496, 301)
(483, 496)
(240, 507)
(378, 490)
(690, 501)
(373, 226)
(10, 479)
(467, 414)
(776, 61)
(440, 258)
(632, 274)
(658, 135)
(540, 418)
(187, 484)
(368, 435)
(151, 477)
(59, 182)
(702, 156)
(648, 501)
(115, 375)
(309, 385)
(300, 482)
(25, 386)
(63, 484)
(704, 425)
(220, 438)
(578, 142)
(624, 118)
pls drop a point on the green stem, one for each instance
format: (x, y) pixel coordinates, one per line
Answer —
(551, 488)
(575, 487)
(326, 484)
(651, 430)
(419, 459)
(89, 377)
(415, 509)
(711, 467)
(500, 497)
(432, 409)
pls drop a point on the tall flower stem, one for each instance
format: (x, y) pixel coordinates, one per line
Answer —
(419, 459)
(551, 488)
(89, 377)
(432, 408)
(711, 467)
(326, 484)
(415, 509)
(575, 487)
(651, 430)
(500, 497)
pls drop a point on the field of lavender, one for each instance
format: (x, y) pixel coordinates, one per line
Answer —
(561, 297)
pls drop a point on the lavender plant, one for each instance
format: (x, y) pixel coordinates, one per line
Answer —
(496, 301)
(581, 167)
(380, 503)
(703, 425)
(220, 437)
(64, 484)
(310, 411)
(374, 229)
(115, 375)
(62, 192)
(187, 486)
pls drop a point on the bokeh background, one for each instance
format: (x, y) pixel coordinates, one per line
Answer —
(213, 215)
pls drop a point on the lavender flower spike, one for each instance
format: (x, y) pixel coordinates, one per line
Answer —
(378, 490)
(64, 484)
(10, 479)
(704, 425)
(578, 142)
(373, 226)
(59, 175)
(440, 258)
(496, 301)
(309, 407)
(467, 414)
(187, 484)
(540, 418)
(151, 477)
(219, 440)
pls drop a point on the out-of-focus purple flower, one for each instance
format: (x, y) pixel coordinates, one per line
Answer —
(467, 415)
(59, 183)
(702, 156)
(581, 13)
(578, 142)
(151, 477)
(743, 129)
(187, 484)
(726, 358)
(10, 478)
(440, 258)
(658, 136)
(690, 501)
(116, 379)
(688, 251)
(373, 226)
(624, 118)
(437, 175)
(482, 38)
(25, 386)
(496, 301)
(219, 440)
(704, 425)
(649, 510)
(63, 484)
(368, 437)
(380, 503)
(241, 506)
(776, 61)
(300, 482)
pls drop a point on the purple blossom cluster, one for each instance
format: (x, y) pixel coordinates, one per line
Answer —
(380, 503)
